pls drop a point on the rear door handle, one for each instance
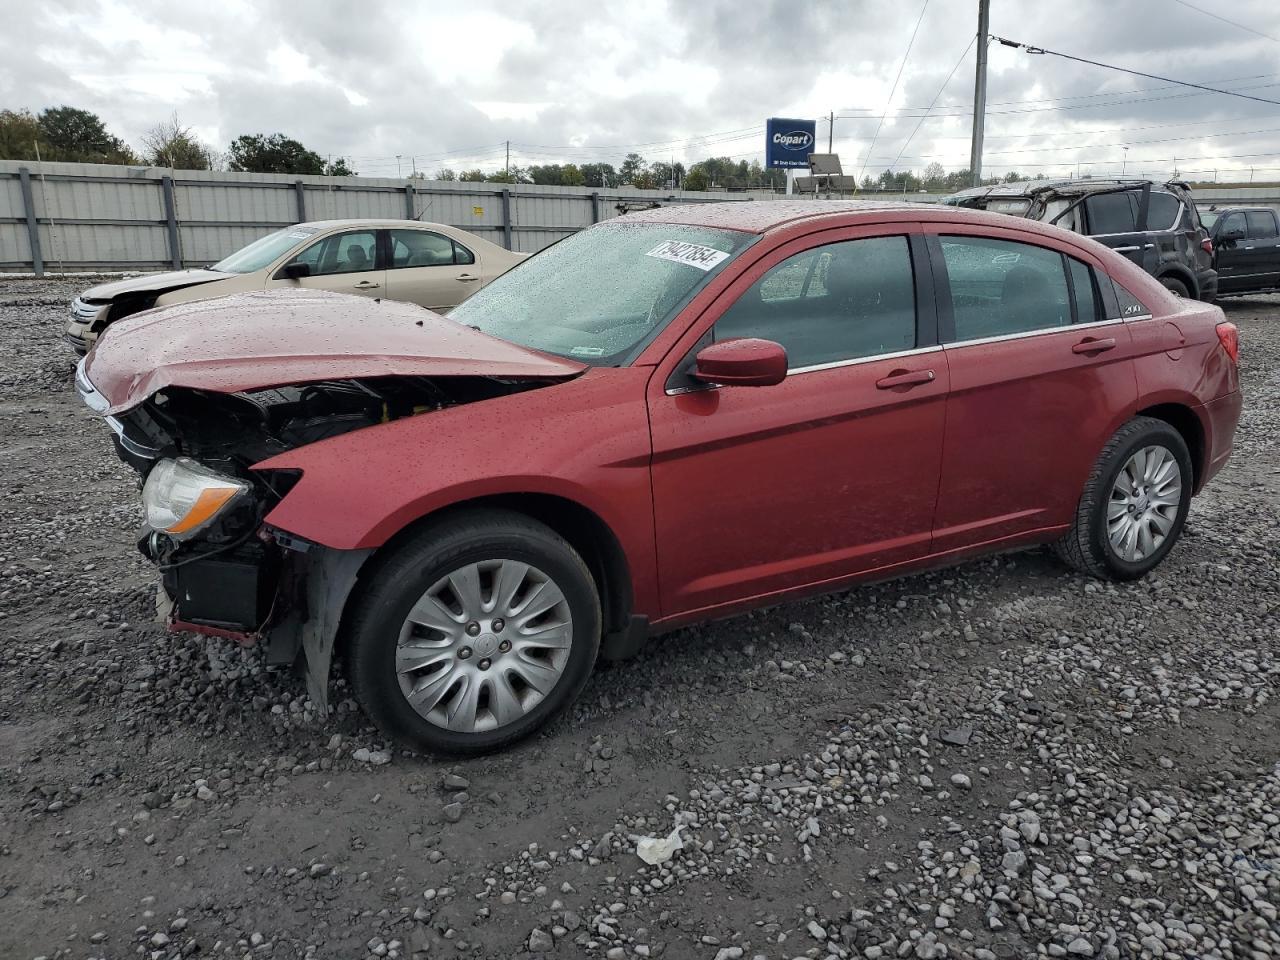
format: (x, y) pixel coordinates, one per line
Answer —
(466, 278)
(1090, 345)
(905, 378)
(366, 285)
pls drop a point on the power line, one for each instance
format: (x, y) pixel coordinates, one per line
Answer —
(1233, 23)
(894, 89)
(1137, 73)
(923, 116)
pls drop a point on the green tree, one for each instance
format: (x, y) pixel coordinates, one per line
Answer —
(696, 178)
(19, 132)
(599, 174)
(475, 175)
(170, 144)
(631, 168)
(934, 176)
(273, 153)
(572, 176)
(68, 133)
(1013, 176)
(338, 168)
(445, 173)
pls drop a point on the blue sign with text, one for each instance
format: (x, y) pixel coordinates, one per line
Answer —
(788, 143)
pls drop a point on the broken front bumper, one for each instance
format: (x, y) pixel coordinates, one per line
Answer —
(81, 325)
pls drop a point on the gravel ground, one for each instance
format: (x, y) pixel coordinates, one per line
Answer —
(998, 760)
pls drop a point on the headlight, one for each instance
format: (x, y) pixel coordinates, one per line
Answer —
(181, 496)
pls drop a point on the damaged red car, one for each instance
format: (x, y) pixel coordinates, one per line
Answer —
(667, 418)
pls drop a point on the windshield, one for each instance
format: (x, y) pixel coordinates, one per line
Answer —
(1209, 217)
(600, 293)
(263, 252)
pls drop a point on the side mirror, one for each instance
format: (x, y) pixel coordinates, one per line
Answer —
(748, 362)
(1236, 234)
(295, 271)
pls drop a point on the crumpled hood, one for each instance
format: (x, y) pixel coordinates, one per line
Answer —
(252, 341)
(152, 283)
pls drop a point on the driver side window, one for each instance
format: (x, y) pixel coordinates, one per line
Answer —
(352, 252)
(842, 301)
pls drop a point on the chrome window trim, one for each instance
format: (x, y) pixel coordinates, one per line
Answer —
(1027, 334)
(854, 361)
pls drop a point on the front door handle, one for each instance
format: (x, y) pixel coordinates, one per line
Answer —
(905, 378)
(466, 278)
(1090, 345)
(367, 285)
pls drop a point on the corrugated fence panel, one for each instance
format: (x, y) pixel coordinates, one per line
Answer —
(115, 217)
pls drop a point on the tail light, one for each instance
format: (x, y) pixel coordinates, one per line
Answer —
(1229, 336)
(1207, 246)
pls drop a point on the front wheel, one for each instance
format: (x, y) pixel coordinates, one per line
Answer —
(474, 634)
(1176, 287)
(1134, 504)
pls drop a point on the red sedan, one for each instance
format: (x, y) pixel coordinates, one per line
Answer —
(670, 417)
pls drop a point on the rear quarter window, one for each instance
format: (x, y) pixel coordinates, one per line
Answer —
(1130, 306)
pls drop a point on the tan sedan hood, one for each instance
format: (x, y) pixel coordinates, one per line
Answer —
(152, 283)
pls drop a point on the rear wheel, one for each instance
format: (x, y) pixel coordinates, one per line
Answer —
(1134, 504)
(1176, 287)
(475, 634)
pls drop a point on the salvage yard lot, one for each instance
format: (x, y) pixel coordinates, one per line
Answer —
(991, 761)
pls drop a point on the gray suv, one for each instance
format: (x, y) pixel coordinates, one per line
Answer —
(1153, 224)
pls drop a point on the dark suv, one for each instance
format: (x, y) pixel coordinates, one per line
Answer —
(1155, 225)
(1246, 245)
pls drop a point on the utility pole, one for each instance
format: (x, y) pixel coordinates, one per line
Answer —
(980, 93)
(831, 131)
(508, 169)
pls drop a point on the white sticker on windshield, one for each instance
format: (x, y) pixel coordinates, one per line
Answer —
(690, 254)
(587, 351)
(300, 234)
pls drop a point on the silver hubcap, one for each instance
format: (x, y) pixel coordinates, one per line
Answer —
(1144, 503)
(484, 645)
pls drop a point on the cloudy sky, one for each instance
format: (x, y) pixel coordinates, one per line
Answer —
(448, 84)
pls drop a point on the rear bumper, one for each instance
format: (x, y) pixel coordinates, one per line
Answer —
(1220, 417)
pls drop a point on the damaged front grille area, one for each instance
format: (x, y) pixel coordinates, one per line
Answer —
(232, 577)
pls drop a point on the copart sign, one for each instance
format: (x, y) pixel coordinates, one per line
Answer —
(788, 143)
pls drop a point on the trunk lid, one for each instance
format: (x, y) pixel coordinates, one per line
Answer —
(273, 338)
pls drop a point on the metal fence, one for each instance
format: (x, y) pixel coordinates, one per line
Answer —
(81, 216)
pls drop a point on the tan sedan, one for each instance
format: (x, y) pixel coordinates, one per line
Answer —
(430, 264)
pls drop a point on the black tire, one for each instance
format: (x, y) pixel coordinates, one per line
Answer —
(1176, 287)
(1086, 547)
(398, 581)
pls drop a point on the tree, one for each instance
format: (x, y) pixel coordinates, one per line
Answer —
(338, 168)
(934, 176)
(19, 132)
(445, 173)
(599, 174)
(696, 178)
(274, 153)
(68, 133)
(472, 176)
(631, 167)
(572, 176)
(1013, 176)
(170, 144)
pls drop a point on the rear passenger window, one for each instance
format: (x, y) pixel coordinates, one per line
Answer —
(1162, 212)
(999, 287)
(842, 301)
(1262, 224)
(421, 248)
(1084, 292)
(1112, 213)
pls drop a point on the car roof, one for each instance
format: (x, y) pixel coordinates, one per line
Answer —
(375, 223)
(760, 216)
(763, 216)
